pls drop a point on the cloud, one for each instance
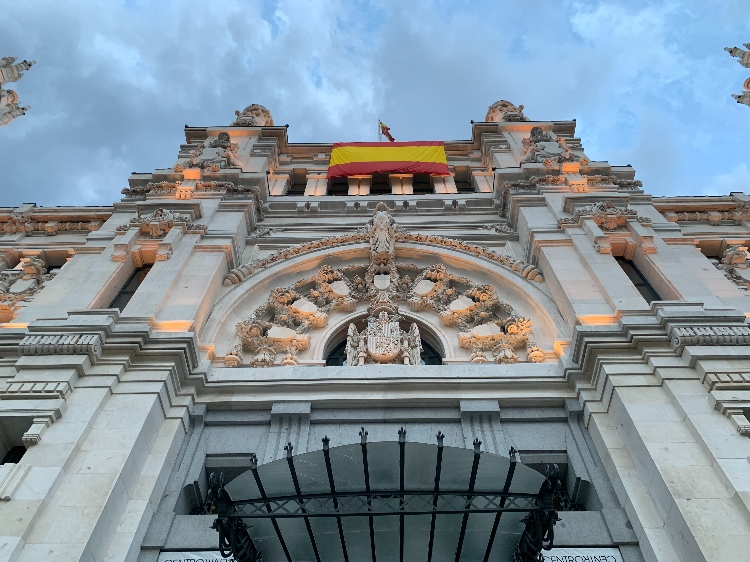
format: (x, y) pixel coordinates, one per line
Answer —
(114, 83)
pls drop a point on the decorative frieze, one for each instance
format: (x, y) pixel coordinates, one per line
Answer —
(161, 221)
(737, 214)
(18, 223)
(372, 235)
(61, 344)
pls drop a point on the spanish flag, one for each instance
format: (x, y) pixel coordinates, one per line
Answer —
(367, 158)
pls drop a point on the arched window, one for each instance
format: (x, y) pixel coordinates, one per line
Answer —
(337, 356)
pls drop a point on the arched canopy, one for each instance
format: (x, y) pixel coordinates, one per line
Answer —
(383, 495)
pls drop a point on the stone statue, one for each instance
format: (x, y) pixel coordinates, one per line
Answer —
(505, 111)
(254, 115)
(743, 57)
(743, 98)
(10, 112)
(10, 72)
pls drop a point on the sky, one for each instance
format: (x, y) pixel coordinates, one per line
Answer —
(648, 83)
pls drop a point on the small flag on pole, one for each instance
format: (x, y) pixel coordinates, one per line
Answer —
(386, 131)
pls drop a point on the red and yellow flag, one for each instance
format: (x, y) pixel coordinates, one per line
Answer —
(367, 158)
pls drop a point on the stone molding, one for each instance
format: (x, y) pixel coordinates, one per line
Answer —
(61, 344)
(240, 274)
(709, 335)
(737, 212)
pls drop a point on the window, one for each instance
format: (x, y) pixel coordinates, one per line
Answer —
(126, 293)
(13, 455)
(337, 357)
(643, 286)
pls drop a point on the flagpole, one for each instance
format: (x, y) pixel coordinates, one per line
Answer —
(380, 133)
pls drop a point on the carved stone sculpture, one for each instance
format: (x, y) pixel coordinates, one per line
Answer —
(540, 147)
(254, 115)
(383, 341)
(743, 57)
(504, 111)
(7, 97)
(734, 264)
(10, 71)
(158, 223)
(17, 285)
(10, 112)
(606, 215)
(743, 98)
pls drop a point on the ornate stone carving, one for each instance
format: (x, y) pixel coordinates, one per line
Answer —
(500, 228)
(161, 221)
(18, 223)
(738, 213)
(21, 285)
(734, 264)
(7, 97)
(522, 268)
(383, 341)
(254, 115)
(264, 340)
(743, 97)
(11, 71)
(622, 185)
(606, 215)
(225, 157)
(541, 148)
(10, 112)
(742, 56)
(504, 111)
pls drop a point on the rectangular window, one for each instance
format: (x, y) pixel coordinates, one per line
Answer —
(126, 293)
(643, 286)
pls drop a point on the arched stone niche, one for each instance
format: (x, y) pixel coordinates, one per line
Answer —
(476, 310)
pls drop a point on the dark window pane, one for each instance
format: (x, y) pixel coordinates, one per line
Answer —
(14, 455)
(637, 278)
(126, 293)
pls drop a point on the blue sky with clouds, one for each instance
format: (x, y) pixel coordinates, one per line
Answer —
(115, 82)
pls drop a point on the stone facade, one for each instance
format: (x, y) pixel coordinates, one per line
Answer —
(580, 322)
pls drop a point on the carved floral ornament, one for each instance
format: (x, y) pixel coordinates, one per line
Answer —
(276, 331)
